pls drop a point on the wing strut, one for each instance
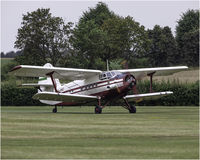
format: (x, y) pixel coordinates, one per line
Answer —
(53, 80)
(151, 80)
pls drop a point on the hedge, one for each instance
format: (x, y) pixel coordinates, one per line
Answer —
(184, 94)
(11, 95)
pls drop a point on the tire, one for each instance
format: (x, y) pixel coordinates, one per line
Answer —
(132, 109)
(98, 110)
(54, 110)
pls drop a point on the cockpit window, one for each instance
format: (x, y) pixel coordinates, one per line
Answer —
(106, 75)
(113, 73)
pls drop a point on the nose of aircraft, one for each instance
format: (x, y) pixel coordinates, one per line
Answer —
(130, 81)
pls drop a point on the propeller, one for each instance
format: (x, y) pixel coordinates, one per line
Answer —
(132, 80)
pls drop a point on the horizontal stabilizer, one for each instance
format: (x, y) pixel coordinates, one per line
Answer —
(64, 97)
(147, 96)
(36, 85)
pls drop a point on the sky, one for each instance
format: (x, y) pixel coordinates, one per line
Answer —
(148, 13)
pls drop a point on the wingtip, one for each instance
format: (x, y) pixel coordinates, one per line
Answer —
(15, 68)
(169, 92)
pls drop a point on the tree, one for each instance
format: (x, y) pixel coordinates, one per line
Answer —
(187, 37)
(42, 37)
(2, 54)
(163, 49)
(102, 35)
(125, 38)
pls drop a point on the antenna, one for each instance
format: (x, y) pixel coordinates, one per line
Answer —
(107, 65)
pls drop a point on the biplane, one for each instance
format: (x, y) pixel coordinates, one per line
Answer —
(87, 85)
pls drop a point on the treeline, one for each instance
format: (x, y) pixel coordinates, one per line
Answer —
(102, 35)
(184, 95)
(11, 54)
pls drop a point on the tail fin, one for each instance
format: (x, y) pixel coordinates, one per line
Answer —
(45, 81)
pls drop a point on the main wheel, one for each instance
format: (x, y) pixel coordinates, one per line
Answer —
(98, 110)
(132, 109)
(54, 110)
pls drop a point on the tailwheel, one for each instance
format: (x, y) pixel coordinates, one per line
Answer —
(98, 109)
(132, 109)
(54, 109)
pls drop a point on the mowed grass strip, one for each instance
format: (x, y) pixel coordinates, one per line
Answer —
(73, 132)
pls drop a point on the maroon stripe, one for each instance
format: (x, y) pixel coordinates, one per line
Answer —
(88, 89)
(84, 86)
(15, 68)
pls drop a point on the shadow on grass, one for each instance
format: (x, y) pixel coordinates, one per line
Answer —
(91, 113)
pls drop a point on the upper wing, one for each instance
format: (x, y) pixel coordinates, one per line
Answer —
(64, 97)
(141, 72)
(58, 72)
(147, 96)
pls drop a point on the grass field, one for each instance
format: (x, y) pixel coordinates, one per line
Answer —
(153, 133)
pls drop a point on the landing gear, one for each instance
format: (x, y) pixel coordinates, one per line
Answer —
(54, 109)
(132, 109)
(98, 109)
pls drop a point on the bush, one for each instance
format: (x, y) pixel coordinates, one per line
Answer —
(11, 95)
(183, 94)
(6, 68)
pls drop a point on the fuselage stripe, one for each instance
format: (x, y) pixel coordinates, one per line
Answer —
(73, 91)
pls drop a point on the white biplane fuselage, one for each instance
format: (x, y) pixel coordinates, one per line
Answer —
(108, 85)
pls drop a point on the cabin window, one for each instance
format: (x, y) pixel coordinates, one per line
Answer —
(90, 86)
(108, 75)
(94, 85)
(83, 88)
(105, 75)
(113, 74)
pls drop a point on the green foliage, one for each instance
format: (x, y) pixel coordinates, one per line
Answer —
(99, 14)
(187, 37)
(100, 33)
(42, 37)
(11, 95)
(163, 49)
(125, 38)
(6, 67)
(183, 94)
(5, 61)
(116, 64)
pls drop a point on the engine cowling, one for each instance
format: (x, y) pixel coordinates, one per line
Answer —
(130, 81)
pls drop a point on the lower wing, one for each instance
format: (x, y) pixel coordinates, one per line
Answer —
(64, 97)
(147, 96)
